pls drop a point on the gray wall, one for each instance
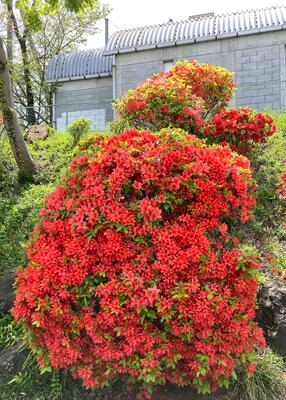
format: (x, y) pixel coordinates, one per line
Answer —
(258, 61)
(90, 98)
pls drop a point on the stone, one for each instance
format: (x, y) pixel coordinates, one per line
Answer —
(271, 314)
(7, 292)
(12, 359)
(36, 132)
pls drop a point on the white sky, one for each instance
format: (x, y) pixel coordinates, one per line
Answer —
(131, 13)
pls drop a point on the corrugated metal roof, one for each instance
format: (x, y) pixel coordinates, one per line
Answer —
(79, 65)
(197, 28)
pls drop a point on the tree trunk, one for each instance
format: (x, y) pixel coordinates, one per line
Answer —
(22, 39)
(23, 159)
(30, 109)
(9, 33)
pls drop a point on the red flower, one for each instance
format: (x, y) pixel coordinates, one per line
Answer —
(251, 368)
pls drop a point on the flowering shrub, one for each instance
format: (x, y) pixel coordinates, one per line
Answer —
(181, 98)
(242, 129)
(193, 96)
(159, 103)
(133, 269)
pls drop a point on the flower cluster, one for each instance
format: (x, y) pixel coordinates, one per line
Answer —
(133, 269)
(240, 128)
(211, 83)
(180, 98)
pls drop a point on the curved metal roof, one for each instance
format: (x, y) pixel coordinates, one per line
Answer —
(80, 65)
(197, 28)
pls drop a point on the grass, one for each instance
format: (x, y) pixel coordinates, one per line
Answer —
(265, 229)
(267, 383)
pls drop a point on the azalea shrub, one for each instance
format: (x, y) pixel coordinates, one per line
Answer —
(240, 128)
(133, 268)
(182, 97)
(194, 97)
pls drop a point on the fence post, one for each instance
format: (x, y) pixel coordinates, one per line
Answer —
(67, 119)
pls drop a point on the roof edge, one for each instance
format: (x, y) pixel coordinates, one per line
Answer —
(260, 20)
(81, 77)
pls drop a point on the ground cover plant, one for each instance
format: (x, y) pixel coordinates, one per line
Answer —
(20, 204)
(268, 382)
(104, 300)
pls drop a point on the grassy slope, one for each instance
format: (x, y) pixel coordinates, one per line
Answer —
(265, 229)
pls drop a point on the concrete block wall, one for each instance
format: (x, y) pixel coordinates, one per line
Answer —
(258, 77)
(257, 60)
(90, 98)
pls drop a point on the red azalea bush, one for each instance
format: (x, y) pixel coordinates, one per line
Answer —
(193, 96)
(181, 98)
(133, 270)
(242, 129)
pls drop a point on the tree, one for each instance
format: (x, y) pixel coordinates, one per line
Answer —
(22, 40)
(62, 32)
(31, 11)
(23, 159)
(9, 39)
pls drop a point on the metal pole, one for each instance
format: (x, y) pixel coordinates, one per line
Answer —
(106, 30)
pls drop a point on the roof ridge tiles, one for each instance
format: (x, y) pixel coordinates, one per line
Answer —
(198, 17)
(73, 66)
(248, 21)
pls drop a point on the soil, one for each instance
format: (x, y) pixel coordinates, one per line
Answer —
(166, 392)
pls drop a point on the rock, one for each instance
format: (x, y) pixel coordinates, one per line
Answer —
(36, 132)
(271, 315)
(7, 292)
(12, 359)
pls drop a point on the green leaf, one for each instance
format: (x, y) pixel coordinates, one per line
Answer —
(223, 381)
(45, 369)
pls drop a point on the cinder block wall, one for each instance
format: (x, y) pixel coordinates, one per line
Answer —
(90, 98)
(258, 61)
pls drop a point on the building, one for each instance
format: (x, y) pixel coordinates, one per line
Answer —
(84, 88)
(249, 43)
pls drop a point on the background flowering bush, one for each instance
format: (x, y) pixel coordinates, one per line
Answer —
(181, 98)
(193, 96)
(133, 269)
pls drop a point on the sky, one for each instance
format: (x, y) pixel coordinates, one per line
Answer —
(133, 13)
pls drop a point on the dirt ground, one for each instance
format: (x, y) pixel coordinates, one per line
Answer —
(167, 392)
